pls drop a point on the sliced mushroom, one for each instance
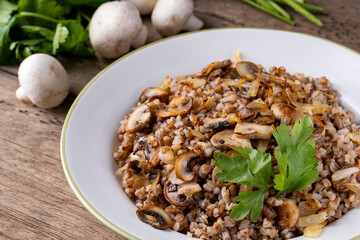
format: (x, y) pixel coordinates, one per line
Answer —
(344, 173)
(178, 106)
(313, 202)
(198, 134)
(183, 166)
(166, 155)
(314, 231)
(193, 82)
(227, 139)
(285, 113)
(166, 83)
(254, 88)
(139, 119)
(146, 152)
(247, 70)
(310, 206)
(208, 105)
(152, 93)
(354, 187)
(246, 114)
(189, 188)
(178, 192)
(217, 124)
(259, 107)
(354, 137)
(313, 219)
(305, 210)
(263, 120)
(137, 179)
(318, 127)
(315, 108)
(257, 110)
(233, 82)
(213, 66)
(155, 216)
(262, 145)
(288, 213)
(253, 131)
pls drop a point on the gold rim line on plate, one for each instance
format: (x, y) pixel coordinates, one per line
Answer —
(70, 179)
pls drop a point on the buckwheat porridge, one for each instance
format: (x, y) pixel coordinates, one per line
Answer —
(168, 167)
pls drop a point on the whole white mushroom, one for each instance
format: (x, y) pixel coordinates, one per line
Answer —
(169, 17)
(114, 27)
(144, 6)
(43, 81)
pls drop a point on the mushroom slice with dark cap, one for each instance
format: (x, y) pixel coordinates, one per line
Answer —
(253, 131)
(179, 105)
(193, 82)
(139, 119)
(285, 113)
(155, 216)
(146, 152)
(212, 66)
(217, 124)
(247, 70)
(178, 192)
(152, 93)
(228, 139)
(183, 166)
(257, 110)
(138, 180)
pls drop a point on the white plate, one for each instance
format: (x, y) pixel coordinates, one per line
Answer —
(89, 132)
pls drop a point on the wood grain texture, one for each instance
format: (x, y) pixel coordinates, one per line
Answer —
(36, 202)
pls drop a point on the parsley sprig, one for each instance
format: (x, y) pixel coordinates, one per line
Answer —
(295, 160)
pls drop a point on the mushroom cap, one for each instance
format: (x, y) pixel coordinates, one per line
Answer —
(170, 16)
(43, 80)
(144, 6)
(113, 27)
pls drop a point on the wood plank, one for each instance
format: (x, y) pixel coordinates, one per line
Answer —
(36, 202)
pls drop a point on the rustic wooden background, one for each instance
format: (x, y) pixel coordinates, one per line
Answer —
(36, 201)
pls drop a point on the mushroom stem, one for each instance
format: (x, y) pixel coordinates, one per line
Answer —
(193, 24)
(141, 38)
(21, 96)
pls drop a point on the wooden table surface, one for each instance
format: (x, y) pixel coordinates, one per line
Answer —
(36, 202)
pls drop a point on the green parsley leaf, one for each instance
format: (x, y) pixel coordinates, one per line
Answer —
(91, 3)
(297, 168)
(6, 9)
(6, 55)
(301, 132)
(60, 36)
(75, 42)
(24, 48)
(296, 162)
(252, 168)
(49, 8)
(36, 31)
(254, 171)
(249, 201)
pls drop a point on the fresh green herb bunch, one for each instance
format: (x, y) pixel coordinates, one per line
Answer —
(45, 26)
(274, 8)
(295, 160)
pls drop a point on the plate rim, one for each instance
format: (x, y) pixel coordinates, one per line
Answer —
(65, 166)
